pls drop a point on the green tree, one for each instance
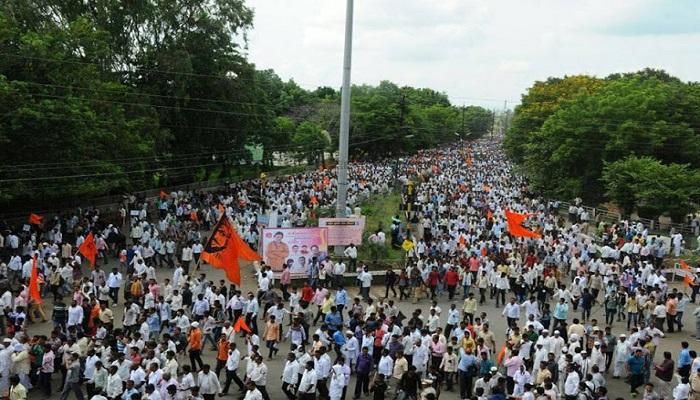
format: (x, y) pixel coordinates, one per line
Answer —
(478, 121)
(541, 101)
(646, 185)
(309, 140)
(633, 115)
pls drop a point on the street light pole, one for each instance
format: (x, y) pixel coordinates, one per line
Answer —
(344, 136)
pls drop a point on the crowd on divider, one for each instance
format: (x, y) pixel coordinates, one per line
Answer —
(335, 344)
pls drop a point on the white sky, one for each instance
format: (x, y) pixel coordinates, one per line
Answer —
(477, 51)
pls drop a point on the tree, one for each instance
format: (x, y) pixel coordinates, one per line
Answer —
(541, 101)
(309, 140)
(478, 121)
(633, 115)
(652, 188)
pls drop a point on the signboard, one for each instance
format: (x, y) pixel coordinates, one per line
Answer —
(294, 246)
(263, 219)
(343, 231)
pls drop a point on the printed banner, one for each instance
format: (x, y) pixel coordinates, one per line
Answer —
(343, 231)
(295, 247)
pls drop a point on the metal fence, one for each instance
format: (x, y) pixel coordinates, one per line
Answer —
(601, 214)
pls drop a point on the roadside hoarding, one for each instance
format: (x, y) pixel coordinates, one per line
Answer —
(343, 231)
(294, 246)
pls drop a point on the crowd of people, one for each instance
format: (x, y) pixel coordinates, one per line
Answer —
(458, 251)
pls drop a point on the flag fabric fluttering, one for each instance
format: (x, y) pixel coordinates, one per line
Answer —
(241, 325)
(515, 225)
(35, 219)
(163, 195)
(683, 264)
(225, 247)
(688, 279)
(89, 249)
(34, 293)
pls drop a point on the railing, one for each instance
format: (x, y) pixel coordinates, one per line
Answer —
(600, 214)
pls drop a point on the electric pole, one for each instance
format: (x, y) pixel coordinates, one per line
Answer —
(463, 110)
(344, 135)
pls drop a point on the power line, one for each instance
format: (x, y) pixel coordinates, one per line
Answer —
(44, 178)
(253, 80)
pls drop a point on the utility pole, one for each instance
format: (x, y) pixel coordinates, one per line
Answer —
(493, 122)
(344, 136)
(401, 134)
(463, 110)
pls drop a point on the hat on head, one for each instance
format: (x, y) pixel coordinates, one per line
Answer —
(194, 324)
(623, 335)
(494, 369)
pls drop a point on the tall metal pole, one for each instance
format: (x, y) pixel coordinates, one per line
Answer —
(344, 136)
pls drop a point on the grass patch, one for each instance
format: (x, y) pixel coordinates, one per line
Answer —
(378, 212)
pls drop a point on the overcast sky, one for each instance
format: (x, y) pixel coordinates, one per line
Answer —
(478, 51)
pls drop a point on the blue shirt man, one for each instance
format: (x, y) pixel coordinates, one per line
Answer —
(339, 337)
(636, 363)
(333, 319)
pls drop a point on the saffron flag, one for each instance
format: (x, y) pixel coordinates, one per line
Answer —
(515, 225)
(684, 265)
(34, 283)
(163, 195)
(225, 247)
(501, 354)
(89, 249)
(35, 219)
(688, 279)
(241, 325)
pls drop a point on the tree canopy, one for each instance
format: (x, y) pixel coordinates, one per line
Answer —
(566, 140)
(101, 98)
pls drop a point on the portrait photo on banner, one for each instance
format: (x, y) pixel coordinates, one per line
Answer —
(295, 247)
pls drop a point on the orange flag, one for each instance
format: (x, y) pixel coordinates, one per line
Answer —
(89, 249)
(515, 225)
(684, 265)
(501, 354)
(35, 219)
(240, 324)
(688, 279)
(313, 200)
(163, 195)
(225, 247)
(34, 283)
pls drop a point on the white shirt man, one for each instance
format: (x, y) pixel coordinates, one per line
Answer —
(75, 315)
(290, 374)
(308, 381)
